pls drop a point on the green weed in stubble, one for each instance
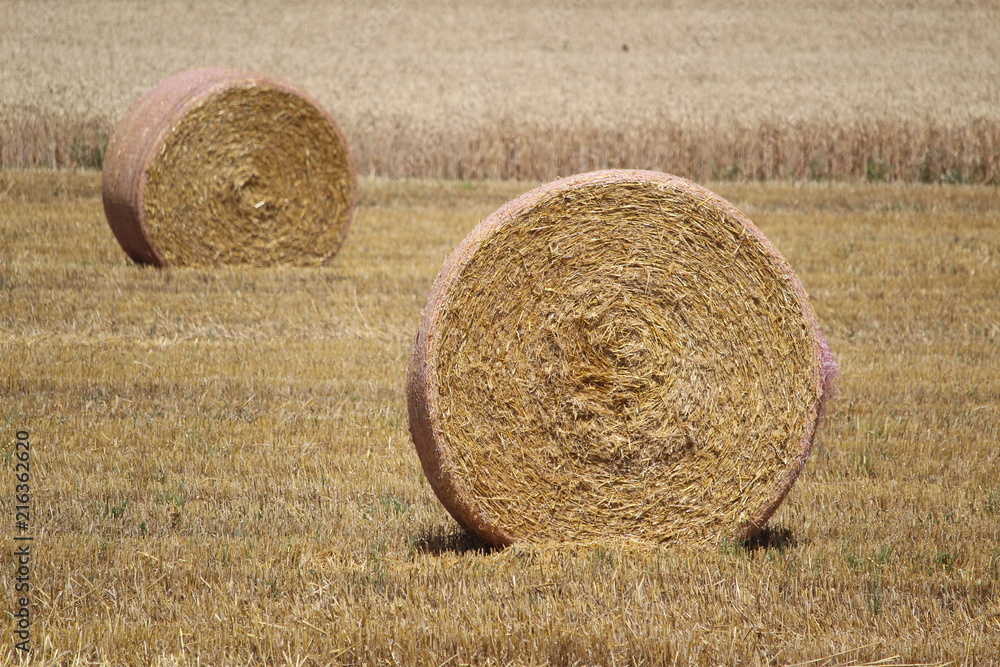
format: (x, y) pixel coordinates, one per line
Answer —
(993, 502)
(109, 509)
(730, 547)
(877, 563)
(176, 494)
(373, 577)
(945, 560)
(871, 567)
(393, 505)
(383, 505)
(850, 554)
(602, 558)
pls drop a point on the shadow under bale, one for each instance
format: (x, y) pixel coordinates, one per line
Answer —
(437, 541)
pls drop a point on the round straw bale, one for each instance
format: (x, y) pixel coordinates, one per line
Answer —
(219, 166)
(619, 354)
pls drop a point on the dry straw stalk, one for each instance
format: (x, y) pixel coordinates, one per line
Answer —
(218, 166)
(618, 354)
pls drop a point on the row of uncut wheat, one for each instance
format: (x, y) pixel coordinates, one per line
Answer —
(876, 149)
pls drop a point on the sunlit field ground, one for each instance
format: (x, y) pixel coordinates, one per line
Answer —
(221, 471)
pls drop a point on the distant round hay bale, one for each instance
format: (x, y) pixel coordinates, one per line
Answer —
(218, 166)
(619, 354)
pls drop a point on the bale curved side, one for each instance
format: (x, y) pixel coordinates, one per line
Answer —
(620, 354)
(221, 166)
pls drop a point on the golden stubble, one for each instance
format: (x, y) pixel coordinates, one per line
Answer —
(224, 474)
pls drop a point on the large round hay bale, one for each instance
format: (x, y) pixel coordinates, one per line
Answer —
(218, 166)
(619, 354)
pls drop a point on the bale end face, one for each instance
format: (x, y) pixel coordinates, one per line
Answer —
(619, 354)
(216, 166)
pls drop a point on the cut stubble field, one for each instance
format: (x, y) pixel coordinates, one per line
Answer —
(222, 472)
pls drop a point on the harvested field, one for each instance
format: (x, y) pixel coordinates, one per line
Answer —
(222, 471)
(853, 90)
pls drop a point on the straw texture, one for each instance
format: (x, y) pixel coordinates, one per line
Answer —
(616, 355)
(218, 166)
